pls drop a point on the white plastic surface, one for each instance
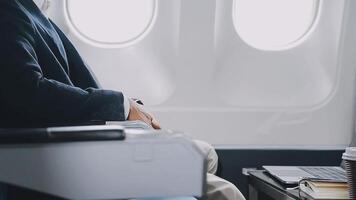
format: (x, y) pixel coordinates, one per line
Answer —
(196, 75)
(144, 165)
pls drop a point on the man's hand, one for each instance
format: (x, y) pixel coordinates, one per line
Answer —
(138, 113)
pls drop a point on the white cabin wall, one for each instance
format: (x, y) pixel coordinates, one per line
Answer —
(196, 75)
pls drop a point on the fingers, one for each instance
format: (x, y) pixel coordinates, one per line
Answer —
(155, 124)
(145, 118)
(138, 113)
(151, 120)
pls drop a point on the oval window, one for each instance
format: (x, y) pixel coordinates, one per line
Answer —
(111, 21)
(273, 24)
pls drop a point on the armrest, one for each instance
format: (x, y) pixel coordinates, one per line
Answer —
(61, 134)
(142, 165)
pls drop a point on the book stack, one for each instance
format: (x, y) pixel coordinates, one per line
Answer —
(321, 189)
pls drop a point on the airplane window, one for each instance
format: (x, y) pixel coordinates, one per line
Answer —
(273, 24)
(111, 21)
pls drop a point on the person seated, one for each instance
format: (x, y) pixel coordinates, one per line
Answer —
(45, 82)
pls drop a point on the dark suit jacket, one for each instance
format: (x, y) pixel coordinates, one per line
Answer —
(43, 79)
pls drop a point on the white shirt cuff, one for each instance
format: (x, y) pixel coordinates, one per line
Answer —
(126, 106)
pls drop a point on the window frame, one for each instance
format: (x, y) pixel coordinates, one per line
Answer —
(83, 37)
(292, 44)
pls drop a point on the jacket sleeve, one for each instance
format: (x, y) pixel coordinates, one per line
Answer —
(80, 73)
(25, 90)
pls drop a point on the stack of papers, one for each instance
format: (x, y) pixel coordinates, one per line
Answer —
(319, 189)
